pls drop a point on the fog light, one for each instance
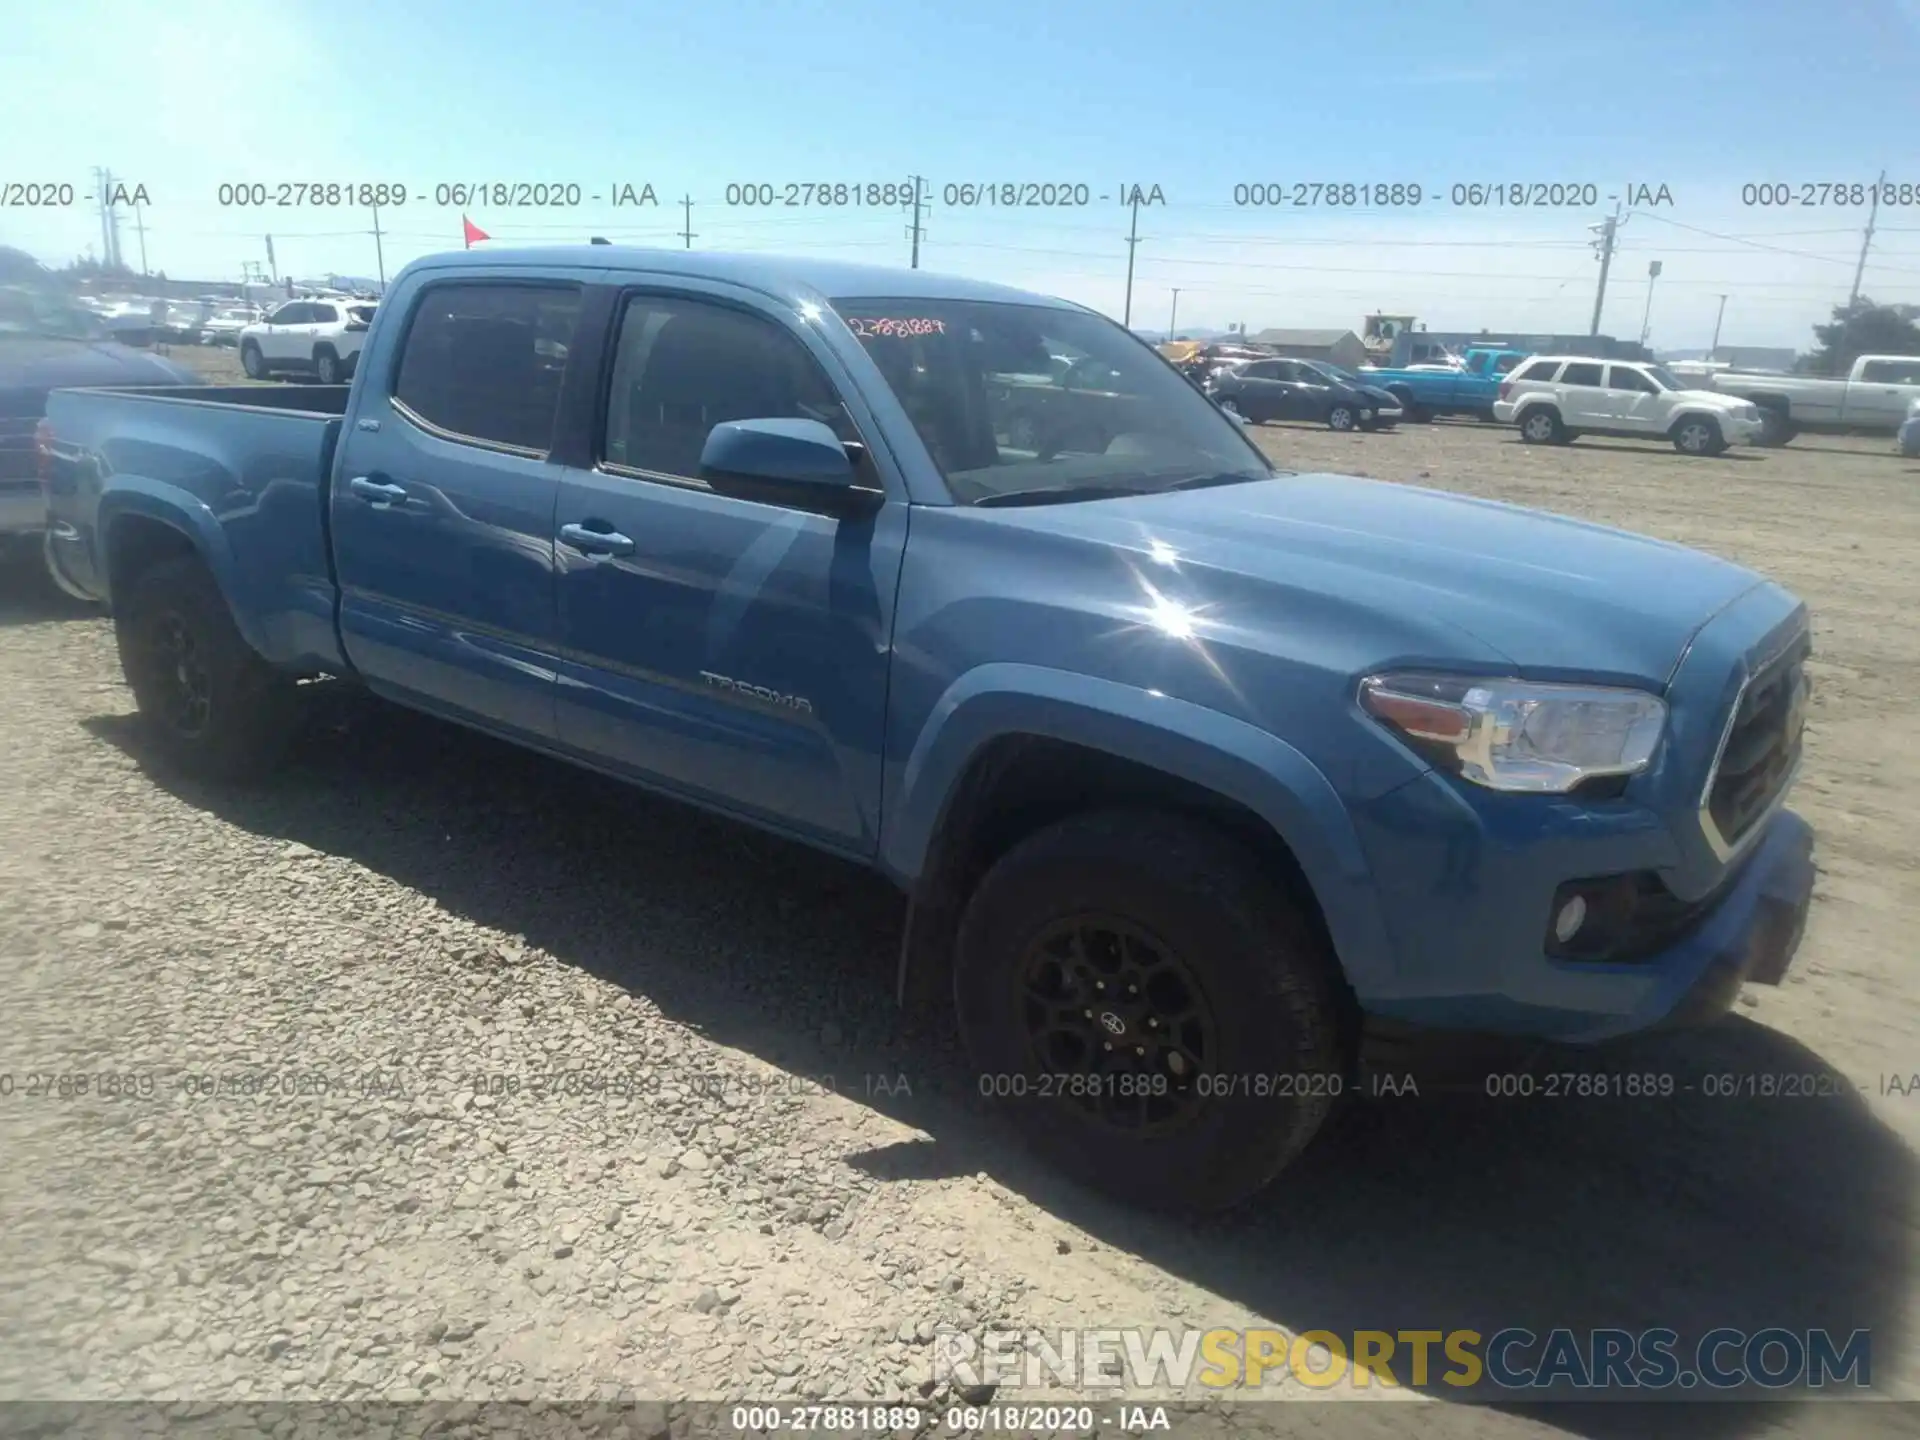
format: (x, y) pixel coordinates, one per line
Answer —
(1572, 916)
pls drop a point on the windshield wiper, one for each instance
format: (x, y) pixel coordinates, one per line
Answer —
(1231, 477)
(1055, 494)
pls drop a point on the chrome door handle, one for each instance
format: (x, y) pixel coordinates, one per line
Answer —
(374, 492)
(596, 542)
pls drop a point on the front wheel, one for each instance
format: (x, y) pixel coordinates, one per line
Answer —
(253, 362)
(1341, 417)
(213, 707)
(1158, 1015)
(1698, 435)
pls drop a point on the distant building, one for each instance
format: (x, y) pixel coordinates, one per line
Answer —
(1337, 347)
(1417, 347)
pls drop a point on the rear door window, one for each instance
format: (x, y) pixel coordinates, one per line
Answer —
(471, 368)
(1581, 373)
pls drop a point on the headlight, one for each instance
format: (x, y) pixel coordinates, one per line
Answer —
(1518, 735)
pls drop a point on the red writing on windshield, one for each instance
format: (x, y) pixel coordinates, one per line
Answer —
(874, 329)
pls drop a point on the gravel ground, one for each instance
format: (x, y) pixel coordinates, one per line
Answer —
(452, 1076)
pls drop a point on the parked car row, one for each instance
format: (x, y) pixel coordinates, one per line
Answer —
(1555, 399)
(1257, 391)
(319, 337)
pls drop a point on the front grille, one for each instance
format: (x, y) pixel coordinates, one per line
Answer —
(1760, 749)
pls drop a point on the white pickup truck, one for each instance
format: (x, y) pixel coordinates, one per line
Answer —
(1873, 398)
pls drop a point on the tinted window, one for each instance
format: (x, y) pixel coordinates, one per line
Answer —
(324, 314)
(1891, 372)
(362, 313)
(1623, 378)
(472, 367)
(1538, 370)
(1261, 370)
(286, 315)
(1141, 427)
(685, 366)
(1581, 374)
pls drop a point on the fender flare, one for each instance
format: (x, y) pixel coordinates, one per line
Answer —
(137, 497)
(1204, 747)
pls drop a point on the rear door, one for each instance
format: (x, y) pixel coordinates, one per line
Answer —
(1583, 396)
(733, 651)
(444, 495)
(321, 320)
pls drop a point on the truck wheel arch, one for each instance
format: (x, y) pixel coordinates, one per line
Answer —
(995, 764)
(139, 530)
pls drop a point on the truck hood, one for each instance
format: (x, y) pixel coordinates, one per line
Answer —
(1555, 597)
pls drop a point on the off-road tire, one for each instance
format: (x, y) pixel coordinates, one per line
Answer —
(1266, 977)
(250, 710)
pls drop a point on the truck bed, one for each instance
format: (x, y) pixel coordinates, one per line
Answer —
(251, 465)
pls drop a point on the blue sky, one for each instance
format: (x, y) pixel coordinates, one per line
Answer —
(1701, 97)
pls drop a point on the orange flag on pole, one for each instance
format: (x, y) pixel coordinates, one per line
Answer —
(473, 232)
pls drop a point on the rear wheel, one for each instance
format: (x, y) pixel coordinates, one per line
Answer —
(1542, 426)
(213, 707)
(1160, 1017)
(326, 365)
(253, 362)
(1775, 428)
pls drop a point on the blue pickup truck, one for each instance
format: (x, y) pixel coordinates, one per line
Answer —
(1469, 390)
(1206, 780)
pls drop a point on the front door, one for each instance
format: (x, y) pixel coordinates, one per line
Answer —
(443, 502)
(1634, 401)
(277, 344)
(730, 650)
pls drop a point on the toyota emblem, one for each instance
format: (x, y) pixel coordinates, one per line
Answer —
(1112, 1023)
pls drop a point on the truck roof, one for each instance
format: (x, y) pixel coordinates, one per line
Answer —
(785, 276)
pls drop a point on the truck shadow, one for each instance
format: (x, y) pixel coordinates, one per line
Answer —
(1444, 1211)
(28, 597)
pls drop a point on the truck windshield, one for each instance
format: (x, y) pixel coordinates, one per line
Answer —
(1029, 400)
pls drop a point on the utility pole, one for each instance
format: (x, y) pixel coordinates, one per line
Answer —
(1609, 232)
(140, 226)
(273, 266)
(1174, 317)
(1133, 243)
(1714, 353)
(1646, 319)
(686, 208)
(379, 254)
(915, 230)
(1853, 296)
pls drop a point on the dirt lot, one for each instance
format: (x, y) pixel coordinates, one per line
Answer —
(781, 1188)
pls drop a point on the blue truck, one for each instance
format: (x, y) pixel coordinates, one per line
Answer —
(1206, 780)
(1469, 390)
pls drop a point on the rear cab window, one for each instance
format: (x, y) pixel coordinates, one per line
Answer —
(471, 368)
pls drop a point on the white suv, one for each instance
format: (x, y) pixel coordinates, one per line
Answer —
(321, 338)
(1558, 398)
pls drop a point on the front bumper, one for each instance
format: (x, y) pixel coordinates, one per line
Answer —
(1387, 415)
(1470, 926)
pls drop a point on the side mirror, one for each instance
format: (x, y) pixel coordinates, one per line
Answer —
(784, 462)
